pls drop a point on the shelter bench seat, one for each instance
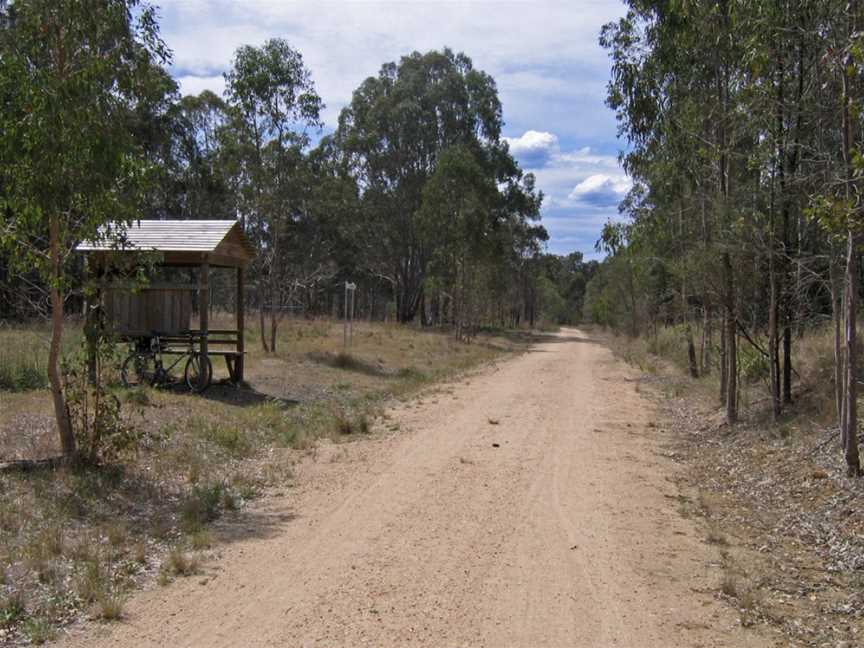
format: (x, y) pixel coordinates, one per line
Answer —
(225, 337)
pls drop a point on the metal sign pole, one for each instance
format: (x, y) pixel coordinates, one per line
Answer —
(351, 321)
(348, 314)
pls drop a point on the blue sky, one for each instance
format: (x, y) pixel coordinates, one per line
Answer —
(550, 71)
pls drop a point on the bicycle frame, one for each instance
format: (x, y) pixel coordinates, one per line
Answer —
(156, 349)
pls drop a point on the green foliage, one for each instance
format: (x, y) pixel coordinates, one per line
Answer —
(102, 433)
(202, 505)
(753, 364)
(39, 630)
(12, 609)
(75, 80)
(440, 188)
(72, 78)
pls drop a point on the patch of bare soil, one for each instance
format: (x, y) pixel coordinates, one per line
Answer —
(775, 500)
(529, 505)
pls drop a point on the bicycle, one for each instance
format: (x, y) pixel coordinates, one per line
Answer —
(144, 365)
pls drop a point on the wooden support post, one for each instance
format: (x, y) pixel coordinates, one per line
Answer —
(204, 320)
(241, 325)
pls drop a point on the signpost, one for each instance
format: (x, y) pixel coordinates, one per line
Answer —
(348, 331)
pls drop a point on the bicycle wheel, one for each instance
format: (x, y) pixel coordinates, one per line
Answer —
(138, 369)
(192, 374)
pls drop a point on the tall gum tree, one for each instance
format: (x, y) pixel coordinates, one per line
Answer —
(73, 74)
(393, 132)
(274, 103)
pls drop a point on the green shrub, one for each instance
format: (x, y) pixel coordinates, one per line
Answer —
(95, 412)
(753, 364)
(39, 630)
(12, 610)
(201, 506)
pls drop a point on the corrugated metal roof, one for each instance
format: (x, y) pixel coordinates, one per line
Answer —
(168, 236)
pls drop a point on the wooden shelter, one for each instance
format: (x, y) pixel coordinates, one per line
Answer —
(166, 308)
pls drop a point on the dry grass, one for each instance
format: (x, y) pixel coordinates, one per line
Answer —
(729, 585)
(715, 537)
(180, 563)
(110, 606)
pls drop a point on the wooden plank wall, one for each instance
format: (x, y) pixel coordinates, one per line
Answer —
(164, 310)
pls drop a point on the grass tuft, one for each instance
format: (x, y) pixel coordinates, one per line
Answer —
(110, 606)
(226, 436)
(91, 583)
(347, 424)
(12, 609)
(179, 563)
(201, 506)
(116, 533)
(23, 361)
(729, 586)
(39, 630)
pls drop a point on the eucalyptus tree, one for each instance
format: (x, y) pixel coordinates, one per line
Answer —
(274, 103)
(478, 215)
(197, 181)
(455, 220)
(393, 132)
(74, 74)
(676, 90)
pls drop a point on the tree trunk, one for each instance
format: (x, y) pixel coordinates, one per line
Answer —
(731, 347)
(705, 342)
(275, 303)
(773, 310)
(849, 423)
(261, 325)
(850, 398)
(837, 320)
(691, 353)
(724, 365)
(61, 413)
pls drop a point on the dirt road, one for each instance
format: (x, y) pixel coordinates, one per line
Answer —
(524, 507)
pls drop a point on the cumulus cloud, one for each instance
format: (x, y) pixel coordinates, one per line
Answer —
(191, 84)
(601, 190)
(533, 148)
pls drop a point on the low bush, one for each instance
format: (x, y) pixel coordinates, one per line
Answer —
(201, 506)
(179, 563)
(12, 609)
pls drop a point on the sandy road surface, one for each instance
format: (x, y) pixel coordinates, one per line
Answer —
(564, 534)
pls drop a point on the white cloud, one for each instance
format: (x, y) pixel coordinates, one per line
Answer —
(532, 141)
(601, 190)
(193, 85)
(558, 173)
(533, 148)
